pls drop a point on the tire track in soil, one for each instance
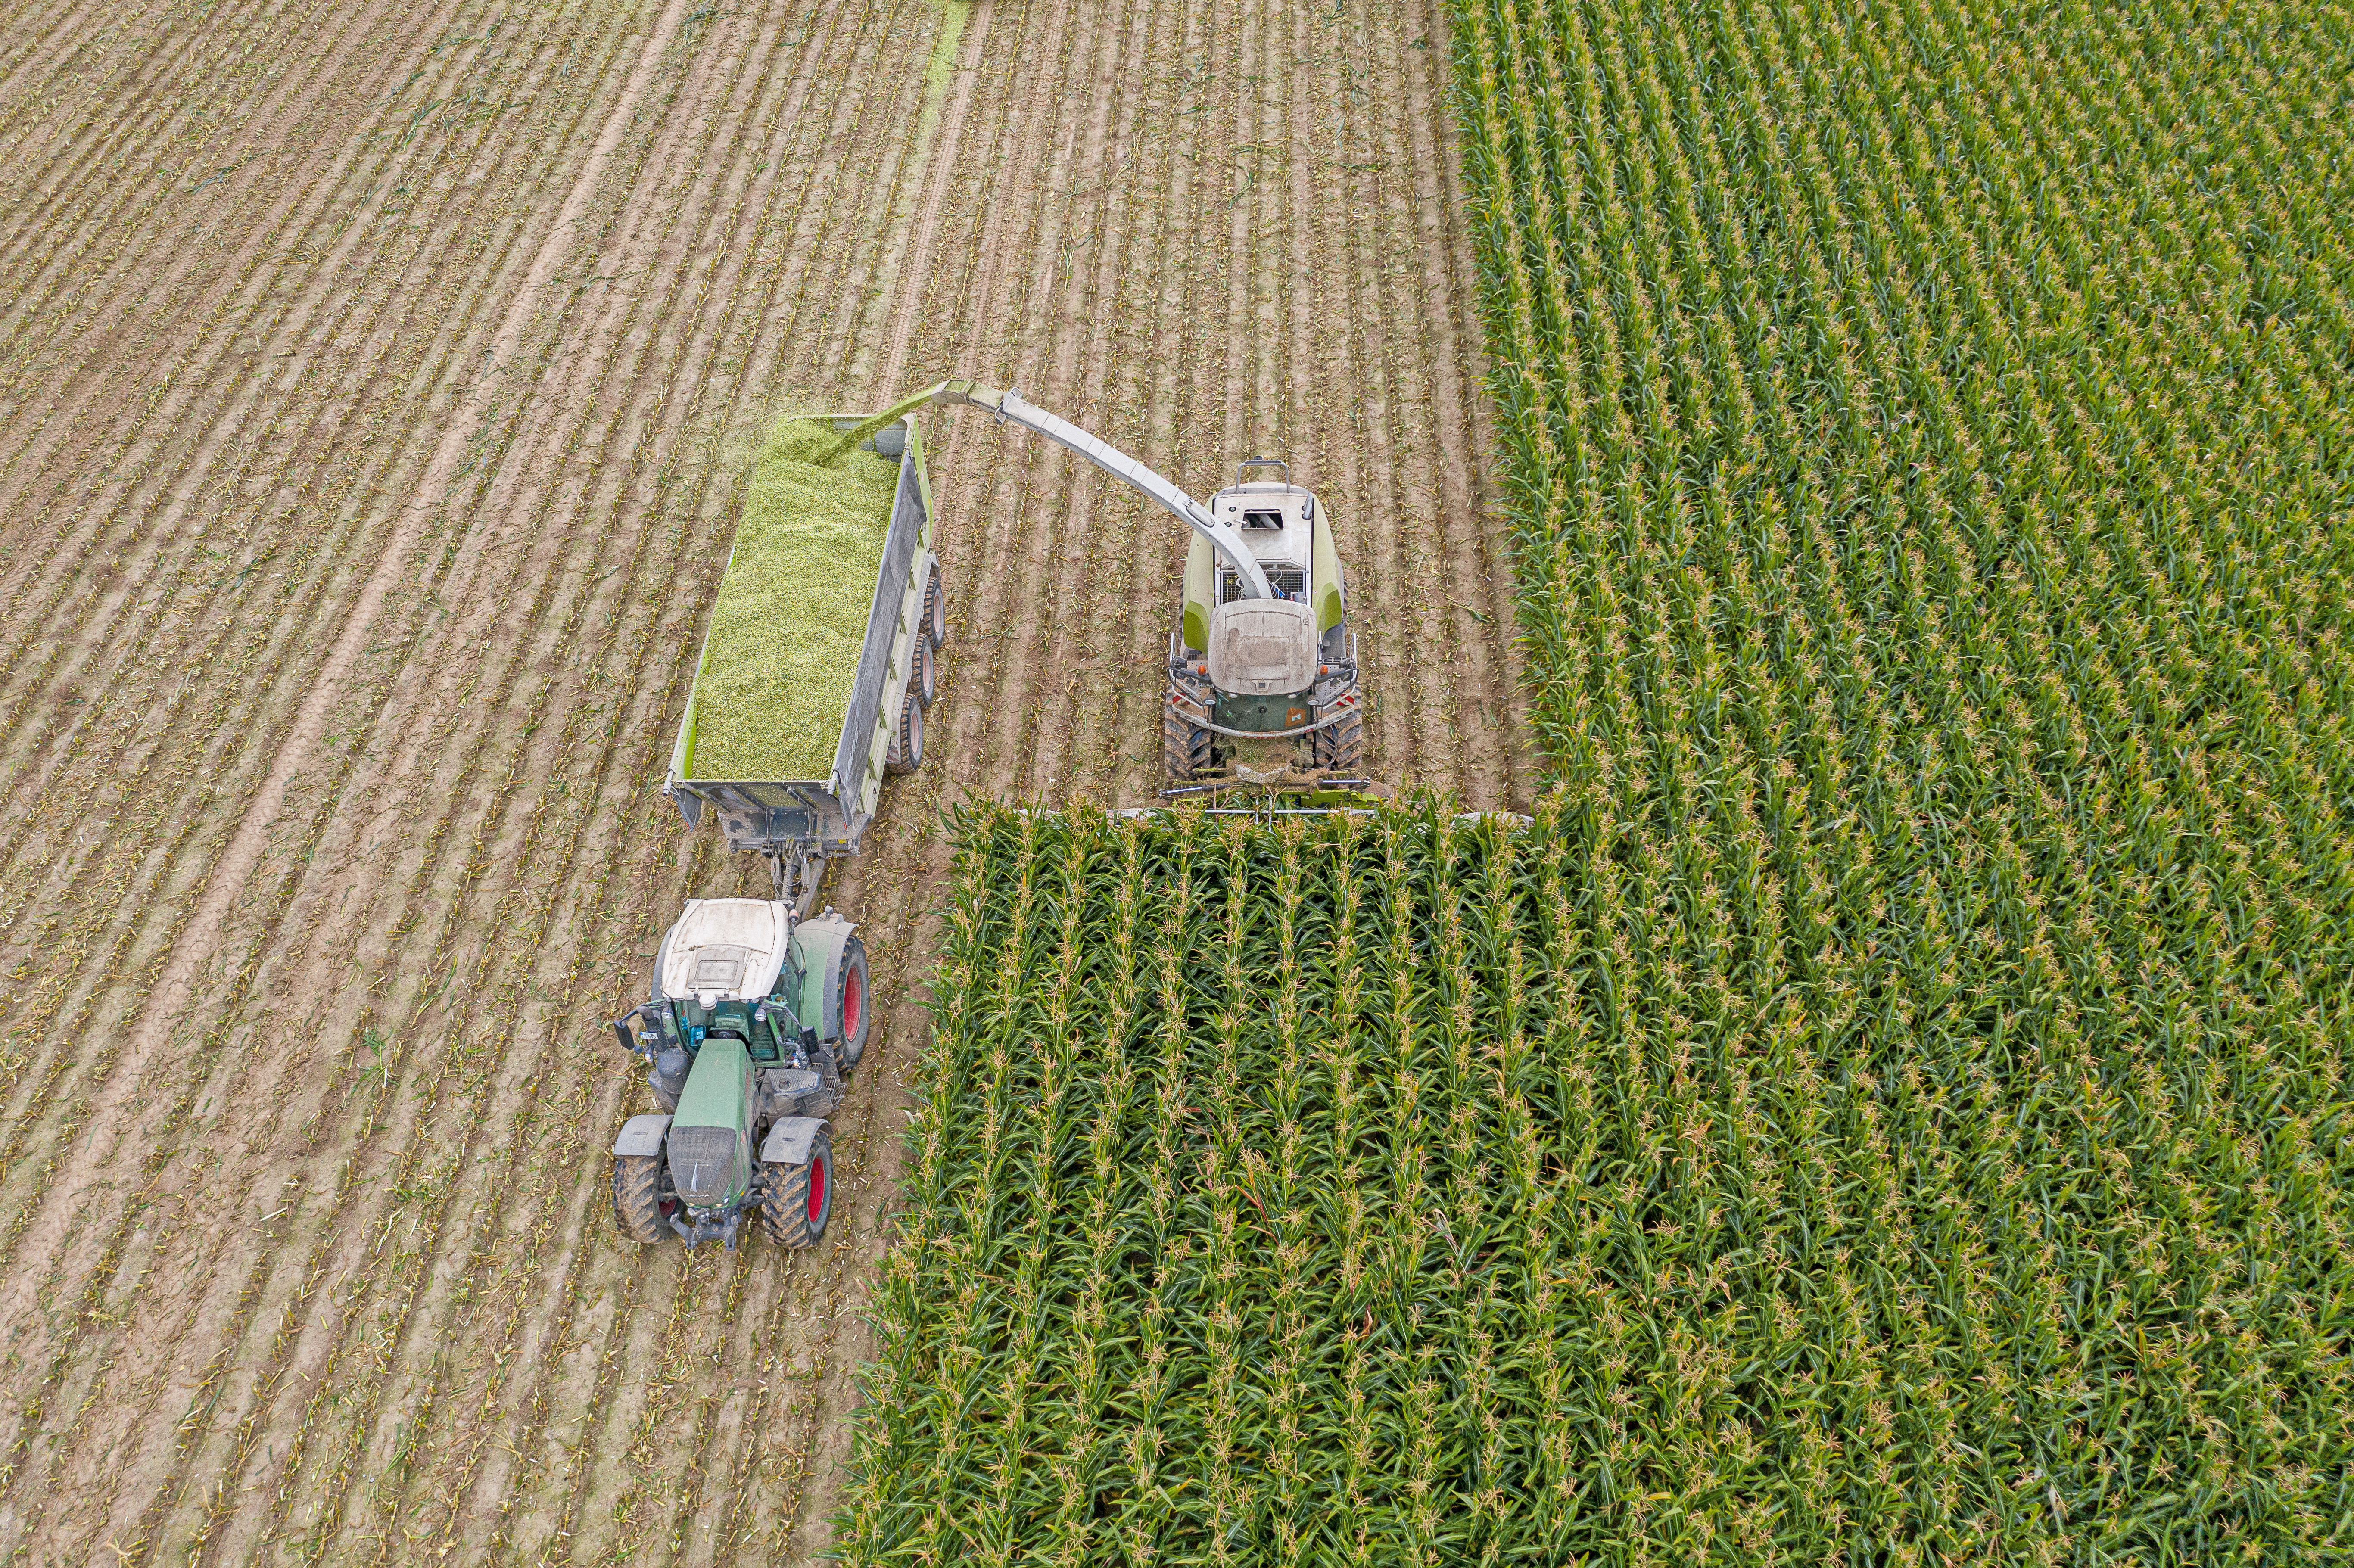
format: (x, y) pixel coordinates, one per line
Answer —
(500, 867)
(691, 644)
(658, 399)
(125, 518)
(237, 862)
(582, 1131)
(397, 1383)
(72, 730)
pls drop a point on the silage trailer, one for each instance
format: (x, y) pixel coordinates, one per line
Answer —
(758, 1007)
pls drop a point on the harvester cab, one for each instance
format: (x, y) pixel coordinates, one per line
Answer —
(1280, 667)
(754, 1018)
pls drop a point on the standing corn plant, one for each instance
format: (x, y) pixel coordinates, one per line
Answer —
(1397, 1189)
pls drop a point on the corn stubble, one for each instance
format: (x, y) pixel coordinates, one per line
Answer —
(1891, 1106)
(790, 615)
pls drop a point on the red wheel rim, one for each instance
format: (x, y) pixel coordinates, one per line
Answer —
(853, 1003)
(817, 1191)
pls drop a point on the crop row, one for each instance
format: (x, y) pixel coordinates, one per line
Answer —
(1927, 429)
(1396, 1189)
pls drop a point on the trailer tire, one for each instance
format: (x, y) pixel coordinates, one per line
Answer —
(936, 608)
(796, 1200)
(1340, 747)
(643, 1199)
(853, 1003)
(925, 680)
(908, 740)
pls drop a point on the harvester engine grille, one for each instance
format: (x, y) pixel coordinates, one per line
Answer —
(1289, 582)
(701, 1162)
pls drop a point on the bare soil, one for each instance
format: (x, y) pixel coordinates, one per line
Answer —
(374, 380)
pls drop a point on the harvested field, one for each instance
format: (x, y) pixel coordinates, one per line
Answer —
(375, 379)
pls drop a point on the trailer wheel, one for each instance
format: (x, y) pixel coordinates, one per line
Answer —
(795, 1200)
(925, 681)
(643, 1200)
(908, 740)
(855, 1006)
(936, 608)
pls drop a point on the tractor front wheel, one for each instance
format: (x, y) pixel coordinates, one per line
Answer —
(853, 1006)
(642, 1199)
(795, 1200)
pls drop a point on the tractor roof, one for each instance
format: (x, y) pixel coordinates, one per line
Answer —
(726, 948)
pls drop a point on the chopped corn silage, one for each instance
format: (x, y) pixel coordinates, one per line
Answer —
(791, 612)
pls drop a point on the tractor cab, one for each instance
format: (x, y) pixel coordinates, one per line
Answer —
(724, 947)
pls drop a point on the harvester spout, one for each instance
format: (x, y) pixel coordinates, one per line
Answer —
(1223, 536)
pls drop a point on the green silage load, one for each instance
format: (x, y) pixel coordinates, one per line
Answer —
(791, 616)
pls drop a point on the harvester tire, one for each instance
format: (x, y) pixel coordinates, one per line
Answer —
(925, 680)
(908, 740)
(1340, 747)
(643, 1199)
(936, 608)
(1187, 750)
(855, 1006)
(795, 1200)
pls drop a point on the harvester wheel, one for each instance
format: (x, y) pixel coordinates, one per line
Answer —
(936, 608)
(643, 1199)
(908, 740)
(795, 1200)
(855, 1006)
(925, 681)
(1340, 747)
(1187, 750)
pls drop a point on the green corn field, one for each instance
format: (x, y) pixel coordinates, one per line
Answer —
(1393, 1189)
(1888, 1107)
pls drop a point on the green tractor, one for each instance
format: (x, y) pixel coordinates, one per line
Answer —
(754, 1017)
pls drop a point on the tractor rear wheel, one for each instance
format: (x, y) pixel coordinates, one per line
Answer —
(908, 740)
(795, 1200)
(642, 1199)
(936, 608)
(853, 1006)
(1340, 747)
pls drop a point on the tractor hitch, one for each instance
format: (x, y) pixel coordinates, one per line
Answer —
(720, 1226)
